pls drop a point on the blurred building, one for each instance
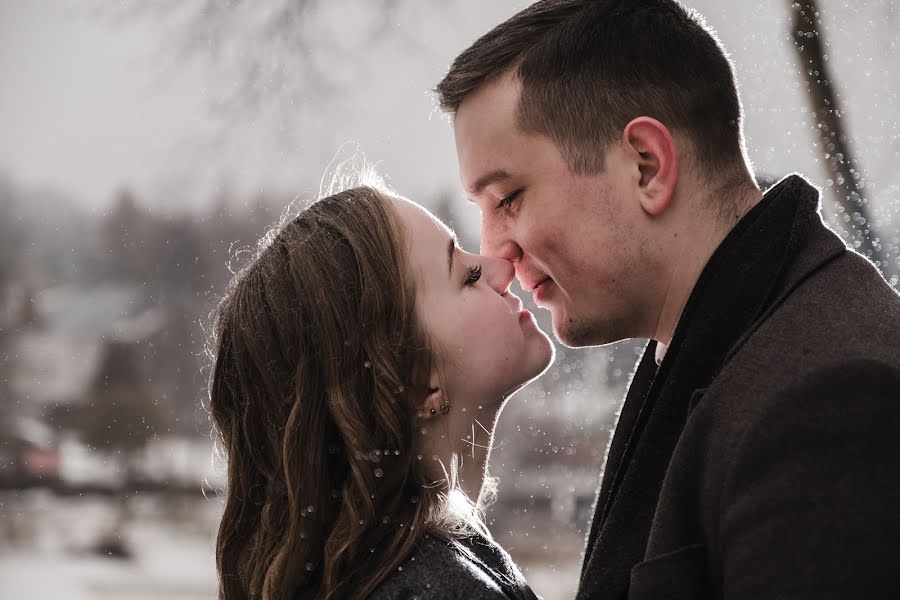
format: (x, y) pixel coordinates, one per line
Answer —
(67, 345)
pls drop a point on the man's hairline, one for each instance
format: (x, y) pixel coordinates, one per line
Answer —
(689, 157)
(513, 72)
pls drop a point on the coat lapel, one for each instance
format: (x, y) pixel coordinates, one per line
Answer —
(753, 269)
(638, 390)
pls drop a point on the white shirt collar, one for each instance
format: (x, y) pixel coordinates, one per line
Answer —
(660, 352)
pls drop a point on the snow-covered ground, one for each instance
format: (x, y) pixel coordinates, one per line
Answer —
(48, 549)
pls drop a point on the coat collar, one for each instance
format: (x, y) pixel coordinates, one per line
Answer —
(755, 267)
(773, 248)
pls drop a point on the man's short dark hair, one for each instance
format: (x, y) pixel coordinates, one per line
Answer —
(587, 68)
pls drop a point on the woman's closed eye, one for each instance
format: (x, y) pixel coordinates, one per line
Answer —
(474, 275)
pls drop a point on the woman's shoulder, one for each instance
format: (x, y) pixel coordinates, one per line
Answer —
(439, 567)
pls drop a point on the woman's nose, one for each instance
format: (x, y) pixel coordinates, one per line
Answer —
(500, 273)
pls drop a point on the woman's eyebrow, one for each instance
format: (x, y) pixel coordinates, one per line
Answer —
(451, 250)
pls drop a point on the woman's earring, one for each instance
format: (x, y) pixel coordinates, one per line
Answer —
(433, 412)
(445, 407)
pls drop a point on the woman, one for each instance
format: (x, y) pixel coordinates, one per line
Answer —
(360, 363)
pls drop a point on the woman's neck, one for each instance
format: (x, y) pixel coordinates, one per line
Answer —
(473, 455)
(468, 436)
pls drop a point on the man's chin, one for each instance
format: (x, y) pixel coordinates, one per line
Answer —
(564, 330)
(572, 332)
(567, 340)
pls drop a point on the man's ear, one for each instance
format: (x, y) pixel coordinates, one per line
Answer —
(651, 146)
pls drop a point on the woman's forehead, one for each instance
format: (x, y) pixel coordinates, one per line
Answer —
(421, 220)
(428, 240)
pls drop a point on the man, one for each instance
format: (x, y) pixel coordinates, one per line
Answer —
(757, 454)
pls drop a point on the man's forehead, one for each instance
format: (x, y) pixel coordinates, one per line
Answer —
(486, 132)
(498, 95)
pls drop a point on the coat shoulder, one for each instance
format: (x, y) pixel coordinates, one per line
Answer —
(829, 352)
(843, 319)
(442, 568)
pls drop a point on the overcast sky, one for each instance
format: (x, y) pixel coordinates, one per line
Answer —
(89, 105)
(86, 106)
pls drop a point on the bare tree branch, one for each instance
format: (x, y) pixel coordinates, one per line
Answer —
(273, 55)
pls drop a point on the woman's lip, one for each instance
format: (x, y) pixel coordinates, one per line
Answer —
(525, 314)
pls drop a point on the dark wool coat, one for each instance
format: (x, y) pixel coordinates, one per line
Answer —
(761, 459)
(473, 568)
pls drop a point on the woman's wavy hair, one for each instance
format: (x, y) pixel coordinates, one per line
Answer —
(317, 361)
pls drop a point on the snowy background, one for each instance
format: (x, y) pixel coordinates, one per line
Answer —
(143, 146)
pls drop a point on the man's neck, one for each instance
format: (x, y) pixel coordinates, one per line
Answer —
(692, 253)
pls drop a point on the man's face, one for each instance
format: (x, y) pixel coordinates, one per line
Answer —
(575, 240)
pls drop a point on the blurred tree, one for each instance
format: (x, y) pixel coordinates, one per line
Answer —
(10, 235)
(122, 410)
(124, 232)
(120, 414)
(847, 182)
(260, 54)
(180, 263)
(176, 250)
(11, 249)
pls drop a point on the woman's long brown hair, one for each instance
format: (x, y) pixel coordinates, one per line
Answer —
(317, 355)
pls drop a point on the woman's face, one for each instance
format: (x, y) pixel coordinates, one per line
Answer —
(486, 345)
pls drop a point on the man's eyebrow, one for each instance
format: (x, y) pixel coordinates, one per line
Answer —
(486, 180)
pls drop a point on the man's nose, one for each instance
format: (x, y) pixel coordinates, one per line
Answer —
(496, 243)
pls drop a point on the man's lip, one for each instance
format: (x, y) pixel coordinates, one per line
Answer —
(540, 289)
(530, 287)
(539, 284)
